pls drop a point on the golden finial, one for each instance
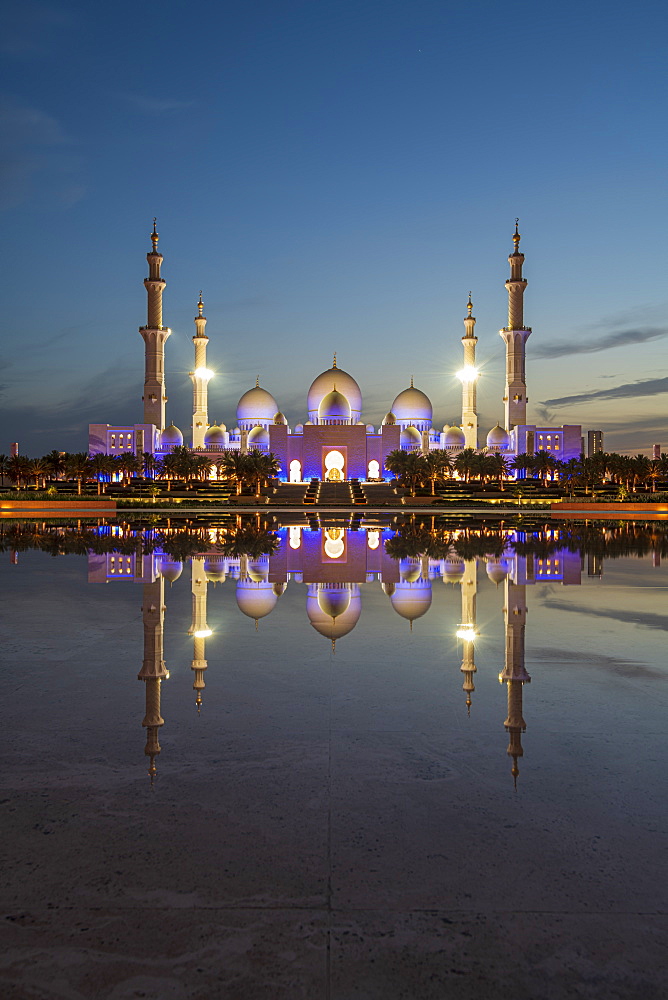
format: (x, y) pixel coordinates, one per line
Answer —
(516, 236)
(334, 364)
(470, 305)
(333, 647)
(411, 624)
(257, 382)
(200, 304)
(154, 235)
(515, 771)
(257, 625)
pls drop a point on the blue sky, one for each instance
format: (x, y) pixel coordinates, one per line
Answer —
(335, 177)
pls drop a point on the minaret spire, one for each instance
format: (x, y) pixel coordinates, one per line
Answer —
(514, 674)
(155, 335)
(153, 670)
(467, 632)
(199, 629)
(469, 380)
(200, 379)
(515, 336)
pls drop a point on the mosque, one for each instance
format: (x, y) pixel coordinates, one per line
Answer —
(334, 443)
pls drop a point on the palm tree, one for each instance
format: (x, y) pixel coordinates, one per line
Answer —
(545, 465)
(39, 469)
(102, 465)
(466, 462)
(498, 465)
(4, 468)
(18, 469)
(235, 467)
(56, 463)
(261, 467)
(522, 463)
(202, 466)
(439, 465)
(641, 470)
(78, 465)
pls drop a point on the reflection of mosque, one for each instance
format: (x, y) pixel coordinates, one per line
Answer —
(334, 564)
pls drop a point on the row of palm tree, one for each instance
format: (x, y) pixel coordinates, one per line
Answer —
(416, 470)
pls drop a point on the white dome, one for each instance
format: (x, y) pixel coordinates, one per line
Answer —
(412, 404)
(334, 406)
(498, 438)
(258, 435)
(410, 435)
(257, 404)
(214, 568)
(279, 418)
(389, 419)
(454, 437)
(370, 429)
(171, 436)
(299, 429)
(346, 601)
(256, 599)
(334, 378)
(453, 569)
(170, 569)
(412, 600)
(214, 435)
(497, 570)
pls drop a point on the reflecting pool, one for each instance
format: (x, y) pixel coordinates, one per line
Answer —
(364, 759)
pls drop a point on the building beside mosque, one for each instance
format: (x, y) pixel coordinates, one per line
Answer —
(334, 442)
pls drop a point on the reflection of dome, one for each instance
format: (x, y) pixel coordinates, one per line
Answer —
(334, 610)
(497, 570)
(410, 570)
(410, 435)
(171, 436)
(389, 419)
(214, 435)
(334, 406)
(334, 378)
(411, 600)
(256, 599)
(257, 404)
(412, 404)
(214, 569)
(258, 436)
(454, 437)
(453, 569)
(498, 438)
(258, 570)
(170, 569)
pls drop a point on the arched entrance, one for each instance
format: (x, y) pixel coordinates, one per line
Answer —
(295, 471)
(373, 471)
(334, 466)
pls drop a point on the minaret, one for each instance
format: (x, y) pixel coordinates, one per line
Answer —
(514, 674)
(467, 630)
(155, 335)
(515, 336)
(153, 670)
(469, 379)
(200, 379)
(199, 629)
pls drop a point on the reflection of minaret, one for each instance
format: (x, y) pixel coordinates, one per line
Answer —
(153, 670)
(155, 335)
(199, 629)
(469, 378)
(200, 379)
(467, 630)
(515, 336)
(514, 674)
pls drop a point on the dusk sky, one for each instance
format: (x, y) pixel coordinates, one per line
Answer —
(335, 176)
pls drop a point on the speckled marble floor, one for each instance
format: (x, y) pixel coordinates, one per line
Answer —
(331, 827)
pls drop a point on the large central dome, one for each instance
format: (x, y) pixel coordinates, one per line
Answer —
(334, 379)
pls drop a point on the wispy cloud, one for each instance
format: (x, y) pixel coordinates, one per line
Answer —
(156, 105)
(629, 390)
(587, 345)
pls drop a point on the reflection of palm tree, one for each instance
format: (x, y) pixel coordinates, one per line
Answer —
(249, 540)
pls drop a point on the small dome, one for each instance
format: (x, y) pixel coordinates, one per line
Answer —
(214, 569)
(410, 570)
(171, 436)
(412, 404)
(389, 419)
(170, 569)
(370, 429)
(256, 599)
(497, 570)
(498, 438)
(214, 435)
(299, 429)
(334, 602)
(410, 435)
(334, 406)
(258, 570)
(258, 436)
(279, 418)
(454, 437)
(334, 378)
(453, 569)
(257, 404)
(412, 600)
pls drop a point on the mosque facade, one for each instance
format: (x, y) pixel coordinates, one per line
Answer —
(334, 442)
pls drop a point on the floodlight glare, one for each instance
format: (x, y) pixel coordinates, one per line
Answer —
(203, 633)
(203, 373)
(467, 633)
(468, 374)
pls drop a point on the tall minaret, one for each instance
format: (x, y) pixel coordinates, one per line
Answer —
(200, 379)
(155, 335)
(515, 336)
(153, 670)
(199, 629)
(469, 379)
(514, 674)
(467, 631)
